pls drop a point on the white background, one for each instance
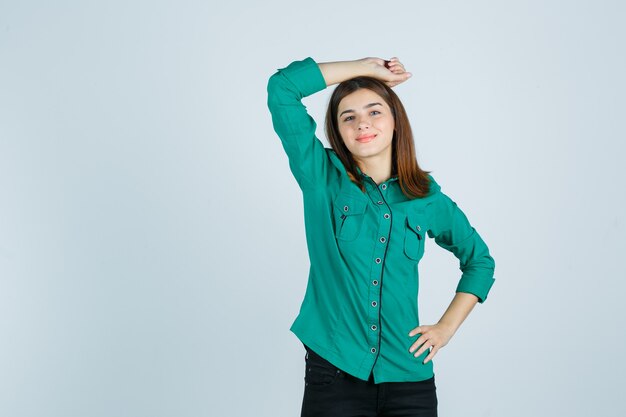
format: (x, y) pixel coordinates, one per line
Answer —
(152, 248)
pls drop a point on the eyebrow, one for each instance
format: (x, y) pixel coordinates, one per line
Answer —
(365, 107)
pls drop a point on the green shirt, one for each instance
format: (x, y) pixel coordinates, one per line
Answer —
(361, 298)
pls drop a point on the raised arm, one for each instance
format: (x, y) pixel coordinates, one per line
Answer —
(295, 127)
(391, 71)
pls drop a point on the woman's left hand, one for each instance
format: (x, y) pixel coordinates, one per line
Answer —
(433, 336)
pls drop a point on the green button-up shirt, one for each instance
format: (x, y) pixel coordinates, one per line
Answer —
(364, 248)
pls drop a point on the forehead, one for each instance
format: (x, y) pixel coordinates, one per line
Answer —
(359, 99)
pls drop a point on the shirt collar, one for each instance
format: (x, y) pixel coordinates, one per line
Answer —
(394, 178)
(337, 162)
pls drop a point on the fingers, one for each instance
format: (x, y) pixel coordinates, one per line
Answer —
(421, 341)
(429, 339)
(392, 62)
(399, 74)
(398, 78)
(394, 65)
(432, 353)
(416, 330)
(391, 72)
(425, 341)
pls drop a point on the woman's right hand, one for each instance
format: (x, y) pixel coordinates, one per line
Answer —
(392, 72)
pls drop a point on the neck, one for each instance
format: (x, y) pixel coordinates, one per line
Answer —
(376, 167)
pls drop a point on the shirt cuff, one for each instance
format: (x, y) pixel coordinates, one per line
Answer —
(305, 75)
(474, 285)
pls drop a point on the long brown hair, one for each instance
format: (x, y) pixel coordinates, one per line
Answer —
(414, 181)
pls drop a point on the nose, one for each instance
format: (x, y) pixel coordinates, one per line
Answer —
(363, 124)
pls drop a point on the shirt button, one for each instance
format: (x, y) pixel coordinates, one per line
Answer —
(373, 350)
(375, 282)
(374, 327)
(379, 202)
(374, 303)
(345, 208)
(377, 260)
(383, 239)
(419, 228)
(384, 186)
(386, 216)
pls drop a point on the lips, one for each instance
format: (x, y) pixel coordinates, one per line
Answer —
(365, 138)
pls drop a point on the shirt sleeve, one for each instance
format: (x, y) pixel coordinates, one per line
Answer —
(453, 232)
(307, 156)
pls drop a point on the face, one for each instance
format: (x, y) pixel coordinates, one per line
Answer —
(366, 124)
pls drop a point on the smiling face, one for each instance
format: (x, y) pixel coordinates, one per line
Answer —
(366, 124)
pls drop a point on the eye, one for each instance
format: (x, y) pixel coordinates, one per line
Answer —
(347, 119)
(374, 112)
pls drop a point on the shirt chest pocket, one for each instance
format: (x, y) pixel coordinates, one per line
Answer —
(349, 217)
(415, 232)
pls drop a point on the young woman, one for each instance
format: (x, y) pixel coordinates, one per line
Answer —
(368, 208)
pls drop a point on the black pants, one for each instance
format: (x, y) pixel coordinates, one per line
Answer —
(330, 392)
